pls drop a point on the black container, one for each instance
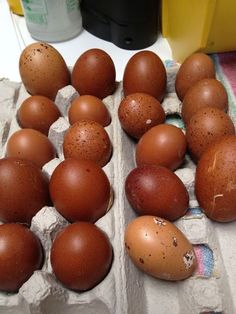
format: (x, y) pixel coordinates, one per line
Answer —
(129, 24)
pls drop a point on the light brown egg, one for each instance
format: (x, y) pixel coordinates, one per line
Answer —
(88, 107)
(157, 247)
(87, 139)
(163, 145)
(194, 68)
(204, 93)
(139, 112)
(94, 74)
(215, 181)
(38, 112)
(31, 145)
(145, 72)
(205, 127)
(43, 70)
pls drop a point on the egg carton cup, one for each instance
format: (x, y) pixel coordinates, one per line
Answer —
(125, 290)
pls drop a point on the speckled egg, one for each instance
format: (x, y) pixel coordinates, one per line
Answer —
(43, 70)
(139, 112)
(157, 247)
(215, 181)
(87, 139)
(204, 93)
(206, 126)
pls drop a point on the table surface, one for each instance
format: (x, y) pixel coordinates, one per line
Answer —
(14, 37)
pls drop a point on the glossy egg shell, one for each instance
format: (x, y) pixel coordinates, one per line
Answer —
(32, 145)
(21, 254)
(194, 68)
(145, 72)
(157, 247)
(155, 190)
(215, 186)
(23, 190)
(163, 145)
(89, 107)
(94, 74)
(81, 256)
(38, 113)
(43, 70)
(204, 93)
(80, 190)
(139, 112)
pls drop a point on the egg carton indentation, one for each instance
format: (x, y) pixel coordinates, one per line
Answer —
(125, 289)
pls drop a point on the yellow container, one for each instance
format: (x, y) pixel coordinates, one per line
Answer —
(15, 6)
(199, 25)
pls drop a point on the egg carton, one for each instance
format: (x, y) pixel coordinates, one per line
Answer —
(125, 290)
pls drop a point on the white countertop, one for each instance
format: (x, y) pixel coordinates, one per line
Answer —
(14, 37)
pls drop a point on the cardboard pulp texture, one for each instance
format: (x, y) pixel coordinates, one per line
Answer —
(125, 289)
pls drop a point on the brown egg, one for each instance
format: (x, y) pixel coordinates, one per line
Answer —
(21, 254)
(43, 70)
(163, 145)
(38, 113)
(94, 74)
(159, 248)
(204, 93)
(81, 256)
(23, 190)
(31, 145)
(194, 68)
(89, 107)
(155, 190)
(146, 73)
(80, 190)
(215, 182)
(139, 112)
(87, 139)
(206, 126)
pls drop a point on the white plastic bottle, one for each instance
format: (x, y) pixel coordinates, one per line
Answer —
(52, 20)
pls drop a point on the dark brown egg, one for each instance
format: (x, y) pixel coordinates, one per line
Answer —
(23, 190)
(20, 255)
(139, 112)
(87, 139)
(43, 70)
(94, 74)
(146, 73)
(38, 113)
(204, 93)
(155, 190)
(194, 68)
(80, 190)
(206, 126)
(31, 145)
(163, 145)
(89, 107)
(215, 182)
(81, 256)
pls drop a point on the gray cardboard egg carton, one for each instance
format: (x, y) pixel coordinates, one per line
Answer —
(125, 289)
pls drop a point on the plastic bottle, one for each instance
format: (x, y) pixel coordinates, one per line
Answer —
(52, 20)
